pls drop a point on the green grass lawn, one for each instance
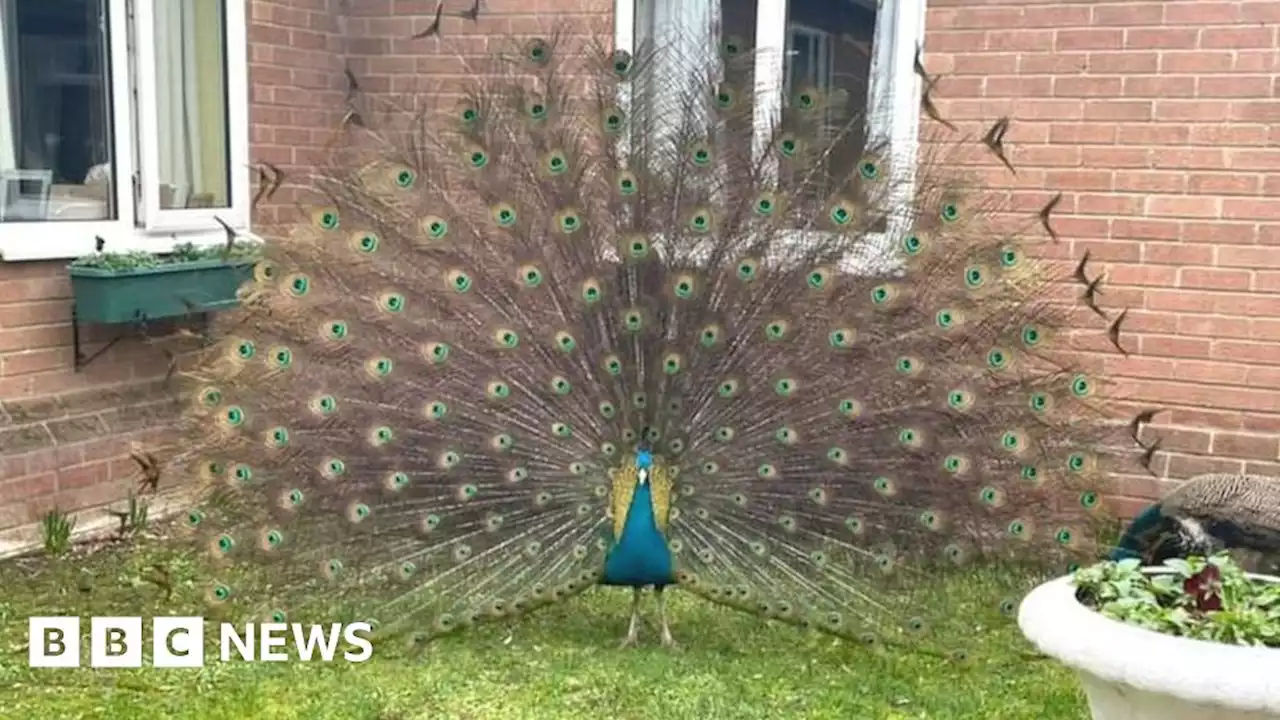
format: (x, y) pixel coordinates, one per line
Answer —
(561, 663)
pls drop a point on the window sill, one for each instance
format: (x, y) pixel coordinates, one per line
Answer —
(26, 242)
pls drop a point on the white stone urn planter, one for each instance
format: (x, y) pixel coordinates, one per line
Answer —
(1130, 673)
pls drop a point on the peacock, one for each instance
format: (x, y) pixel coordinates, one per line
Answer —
(583, 325)
(1208, 513)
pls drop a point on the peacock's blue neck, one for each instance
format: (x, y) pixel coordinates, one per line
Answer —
(639, 555)
(1130, 544)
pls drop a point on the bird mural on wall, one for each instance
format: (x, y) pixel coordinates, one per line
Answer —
(547, 339)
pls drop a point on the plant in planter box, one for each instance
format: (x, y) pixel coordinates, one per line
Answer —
(1190, 639)
(112, 288)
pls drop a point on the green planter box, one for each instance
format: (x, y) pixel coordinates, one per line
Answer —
(111, 297)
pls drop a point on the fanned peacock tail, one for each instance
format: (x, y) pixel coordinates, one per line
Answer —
(431, 411)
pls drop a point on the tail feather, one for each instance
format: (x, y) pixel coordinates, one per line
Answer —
(498, 301)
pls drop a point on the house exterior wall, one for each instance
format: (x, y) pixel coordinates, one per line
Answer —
(1156, 120)
(1159, 123)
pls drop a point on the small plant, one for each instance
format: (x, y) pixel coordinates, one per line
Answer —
(184, 253)
(57, 527)
(133, 519)
(1205, 599)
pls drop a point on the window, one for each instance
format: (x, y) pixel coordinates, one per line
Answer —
(121, 121)
(862, 49)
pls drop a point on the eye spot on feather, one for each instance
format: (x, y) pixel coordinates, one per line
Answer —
(504, 215)
(884, 487)
(333, 468)
(461, 553)
(608, 449)
(1088, 500)
(1017, 529)
(652, 435)
(493, 522)
(568, 220)
(497, 390)
(776, 330)
(1064, 537)
(1030, 473)
(627, 183)
(210, 397)
(842, 338)
(954, 554)
(636, 247)
(264, 271)
(469, 115)
(542, 499)
(297, 285)
(955, 464)
(233, 416)
(429, 523)
(1013, 441)
(998, 359)
(684, 287)
(785, 387)
(700, 221)
(841, 214)
(629, 435)
(477, 159)
(767, 471)
(788, 523)
(379, 367)
(950, 212)
(292, 499)
(591, 292)
(931, 520)
(365, 242)
(280, 357)
(458, 281)
(789, 145)
(396, 481)
(710, 336)
(219, 593)
(947, 319)
(561, 430)
(391, 302)
(732, 47)
(672, 364)
(1081, 387)
(991, 496)
(974, 277)
(1079, 462)
(506, 338)
(907, 365)
(960, 400)
(357, 512)
(435, 410)
(1039, 402)
(726, 98)
(242, 474)
(277, 437)
(912, 244)
(556, 163)
(560, 385)
(786, 436)
(381, 436)
(700, 154)
(467, 492)
(324, 405)
(724, 434)
(710, 467)
(1008, 257)
(517, 475)
(633, 321)
(530, 276)
(325, 218)
(748, 269)
(435, 227)
(244, 350)
(448, 460)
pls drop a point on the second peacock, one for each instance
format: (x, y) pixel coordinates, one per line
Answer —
(547, 339)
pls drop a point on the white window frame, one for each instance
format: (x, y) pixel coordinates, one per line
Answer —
(893, 98)
(140, 223)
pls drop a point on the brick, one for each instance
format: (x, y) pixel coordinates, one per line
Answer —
(1238, 445)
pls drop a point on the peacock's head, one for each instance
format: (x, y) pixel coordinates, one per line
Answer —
(644, 459)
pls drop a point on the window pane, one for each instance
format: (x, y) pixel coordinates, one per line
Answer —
(55, 111)
(191, 104)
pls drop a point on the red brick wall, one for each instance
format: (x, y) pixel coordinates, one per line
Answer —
(65, 435)
(1158, 122)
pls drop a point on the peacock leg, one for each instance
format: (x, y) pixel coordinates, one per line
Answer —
(667, 640)
(633, 630)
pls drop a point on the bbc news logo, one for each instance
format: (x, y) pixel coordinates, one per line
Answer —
(178, 642)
